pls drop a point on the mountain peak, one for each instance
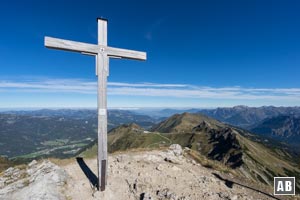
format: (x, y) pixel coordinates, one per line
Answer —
(240, 107)
(126, 127)
(132, 125)
(185, 122)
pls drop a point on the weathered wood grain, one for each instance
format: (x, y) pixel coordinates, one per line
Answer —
(102, 105)
(124, 53)
(68, 45)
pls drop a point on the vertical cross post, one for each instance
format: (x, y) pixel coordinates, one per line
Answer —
(102, 72)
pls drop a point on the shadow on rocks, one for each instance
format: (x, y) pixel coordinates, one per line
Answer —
(88, 172)
(230, 184)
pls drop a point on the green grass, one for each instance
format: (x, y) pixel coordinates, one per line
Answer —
(137, 140)
(131, 141)
(90, 152)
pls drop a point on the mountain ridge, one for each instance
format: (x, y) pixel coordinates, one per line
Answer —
(230, 146)
(245, 117)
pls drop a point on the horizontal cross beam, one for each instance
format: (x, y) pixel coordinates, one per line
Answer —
(124, 53)
(68, 45)
(93, 49)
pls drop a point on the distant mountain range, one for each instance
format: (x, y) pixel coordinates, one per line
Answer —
(241, 116)
(163, 113)
(283, 128)
(115, 117)
(279, 123)
(247, 117)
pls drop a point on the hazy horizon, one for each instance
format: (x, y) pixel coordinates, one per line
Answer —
(125, 108)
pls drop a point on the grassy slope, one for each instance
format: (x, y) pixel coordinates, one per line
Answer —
(130, 137)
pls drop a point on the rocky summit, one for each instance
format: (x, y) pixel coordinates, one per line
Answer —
(157, 175)
(168, 174)
(38, 180)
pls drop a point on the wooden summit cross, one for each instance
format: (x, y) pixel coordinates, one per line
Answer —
(102, 52)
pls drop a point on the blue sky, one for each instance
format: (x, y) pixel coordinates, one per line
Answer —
(199, 53)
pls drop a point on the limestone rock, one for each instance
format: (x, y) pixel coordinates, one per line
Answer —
(176, 149)
(39, 181)
(32, 163)
(159, 167)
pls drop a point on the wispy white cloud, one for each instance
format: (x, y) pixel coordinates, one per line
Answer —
(150, 89)
(50, 85)
(145, 84)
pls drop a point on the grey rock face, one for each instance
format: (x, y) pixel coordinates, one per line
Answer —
(174, 154)
(176, 149)
(166, 194)
(37, 181)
